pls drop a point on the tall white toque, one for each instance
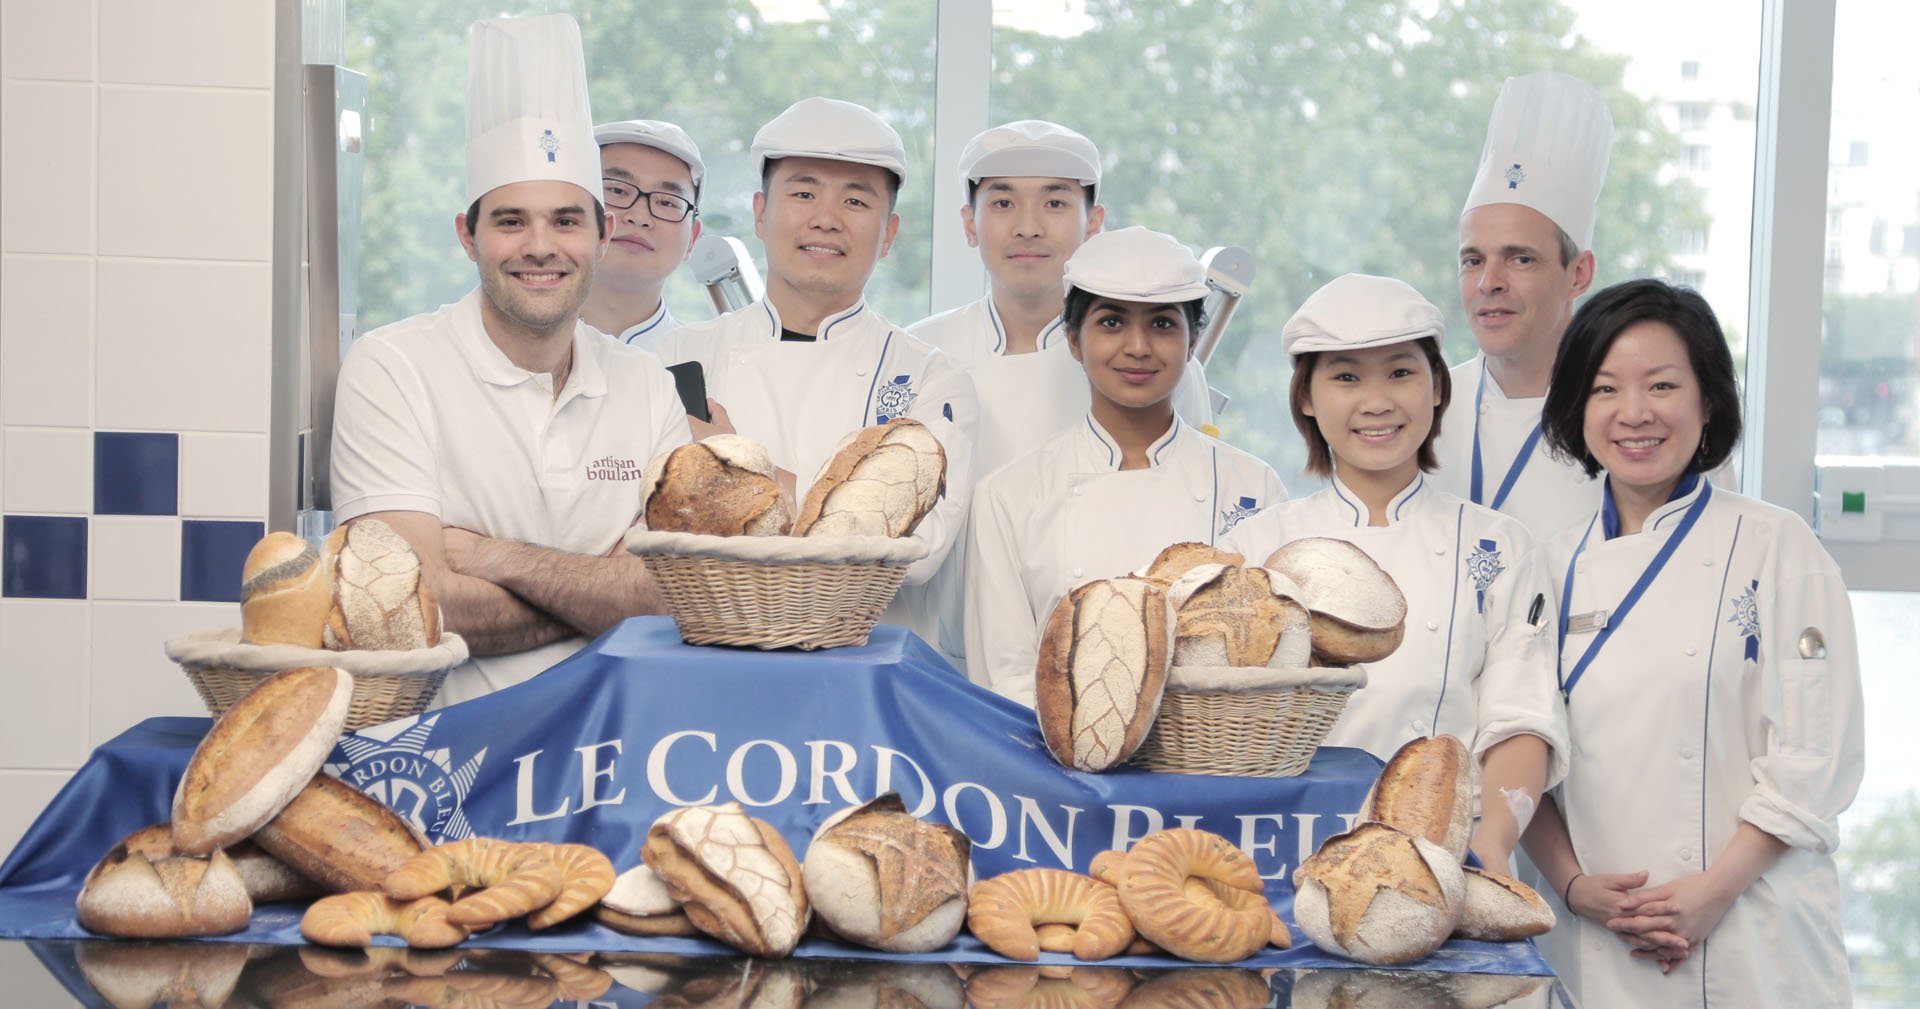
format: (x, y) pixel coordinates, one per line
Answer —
(527, 113)
(1547, 148)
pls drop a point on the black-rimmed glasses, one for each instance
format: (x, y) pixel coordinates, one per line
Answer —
(663, 206)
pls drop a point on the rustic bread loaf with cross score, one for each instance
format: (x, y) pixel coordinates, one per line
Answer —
(1379, 895)
(879, 876)
(133, 897)
(1358, 612)
(1230, 615)
(1102, 669)
(381, 601)
(880, 481)
(723, 485)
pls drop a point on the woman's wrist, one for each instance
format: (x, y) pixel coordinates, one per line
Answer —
(1566, 892)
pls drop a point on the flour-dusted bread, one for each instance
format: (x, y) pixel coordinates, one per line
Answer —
(1426, 790)
(734, 876)
(258, 756)
(1500, 908)
(722, 485)
(381, 601)
(266, 878)
(1378, 895)
(133, 897)
(1179, 558)
(879, 876)
(880, 481)
(1359, 614)
(1102, 669)
(285, 594)
(1231, 615)
(339, 837)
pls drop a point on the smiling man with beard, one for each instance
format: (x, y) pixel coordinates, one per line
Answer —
(500, 435)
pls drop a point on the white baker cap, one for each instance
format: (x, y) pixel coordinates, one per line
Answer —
(831, 129)
(1135, 264)
(1356, 311)
(1030, 148)
(1547, 148)
(527, 116)
(658, 135)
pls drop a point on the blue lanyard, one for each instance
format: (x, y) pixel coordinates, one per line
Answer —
(1619, 614)
(1519, 463)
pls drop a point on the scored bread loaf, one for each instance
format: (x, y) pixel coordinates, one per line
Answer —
(1102, 669)
(1426, 789)
(1358, 612)
(723, 485)
(1229, 615)
(734, 875)
(1500, 908)
(284, 593)
(1179, 558)
(881, 877)
(381, 601)
(258, 756)
(133, 897)
(339, 837)
(267, 879)
(880, 481)
(1378, 895)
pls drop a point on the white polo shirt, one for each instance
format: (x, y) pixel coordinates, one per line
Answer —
(430, 416)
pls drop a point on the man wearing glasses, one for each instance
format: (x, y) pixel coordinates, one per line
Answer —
(651, 175)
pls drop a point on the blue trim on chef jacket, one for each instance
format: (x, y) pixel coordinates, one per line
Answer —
(1112, 456)
(867, 411)
(1213, 513)
(826, 331)
(1359, 513)
(999, 331)
(1453, 614)
(1166, 440)
(1705, 718)
(1419, 481)
(1610, 513)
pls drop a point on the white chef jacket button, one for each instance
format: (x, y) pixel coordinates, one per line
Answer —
(1685, 854)
(1484, 409)
(860, 372)
(1439, 551)
(1686, 753)
(1414, 724)
(1432, 624)
(1199, 496)
(1077, 572)
(1076, 490)
(1690, 650)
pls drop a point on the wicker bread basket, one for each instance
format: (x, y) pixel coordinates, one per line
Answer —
(386, 685)
(775, 591)
(1249, 722)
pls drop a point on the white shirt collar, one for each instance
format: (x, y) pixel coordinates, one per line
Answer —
(494, 367)
(851, 315)
(1399, 506)
(1099, 450)
(654, 321)
(1055, 330)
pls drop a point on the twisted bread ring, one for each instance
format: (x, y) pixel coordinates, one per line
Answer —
(1003, 911)
(586, 877)
(514, 879)
(353, 919)
(1195, 924)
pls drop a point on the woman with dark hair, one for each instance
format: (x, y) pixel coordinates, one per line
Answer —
(1708, 662)
(1107, 495)
(1369, 387)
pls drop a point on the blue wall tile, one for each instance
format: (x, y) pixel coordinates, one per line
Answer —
(46, 556)
(212, 555)
(136, 473)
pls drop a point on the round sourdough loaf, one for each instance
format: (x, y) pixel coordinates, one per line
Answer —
(284, 593)
(1378, 895)
(880, 481)
(381, 601)
(1179, 558)
(1230, 615)
(734, 875)
(723, 485)
(1358, 612)
(266, 878)
(879, 876)
(1426, 790)
(1102, 669)
(132, 897)
(258, 756)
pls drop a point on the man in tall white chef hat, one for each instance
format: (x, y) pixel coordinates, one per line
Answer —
(1031, 201)
(811, 361)
(1526, 253)
(651, 174)
(500, 435)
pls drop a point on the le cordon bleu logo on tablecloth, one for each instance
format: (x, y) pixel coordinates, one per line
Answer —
(393, 764)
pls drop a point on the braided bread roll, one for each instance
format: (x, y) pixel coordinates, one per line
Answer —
(1003, 912)
(586, 876)
(513, 879)
(1187, 923)
(353, 919)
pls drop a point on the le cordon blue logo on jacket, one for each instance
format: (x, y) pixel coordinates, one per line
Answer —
(396, 764)
(1515, 176)
(893, 399)
(1746, 616)
(1240, 510)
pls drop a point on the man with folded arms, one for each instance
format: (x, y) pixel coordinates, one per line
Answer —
(812, 362)
(651, 172)
(500, 435)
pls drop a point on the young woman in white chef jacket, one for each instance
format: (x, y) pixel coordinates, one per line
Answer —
(1713, 690)
(1107, 495)
(1369, 388)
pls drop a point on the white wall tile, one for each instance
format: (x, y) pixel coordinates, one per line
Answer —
(47, 160)
(43, 714)
(47, 39)
(183, 346)
(131, 679)
(134, 557)
(46, 341)
(49, 470)
(223, 476)
(23, 794)
(185, 174)
(230, 44)
(28, 982)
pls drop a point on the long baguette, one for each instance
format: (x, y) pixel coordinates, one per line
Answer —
(339, 837)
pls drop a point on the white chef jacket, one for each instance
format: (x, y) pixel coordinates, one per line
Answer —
(1549, 495)
(1472, 664)
(430, 416)
(642, 333)
(1065, 513)
(1700, 711)
(799, 399)
(1025, 399)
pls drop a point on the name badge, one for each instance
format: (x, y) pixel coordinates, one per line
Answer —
(1583, 623)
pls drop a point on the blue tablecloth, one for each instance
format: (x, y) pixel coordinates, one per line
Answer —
(596, 748)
